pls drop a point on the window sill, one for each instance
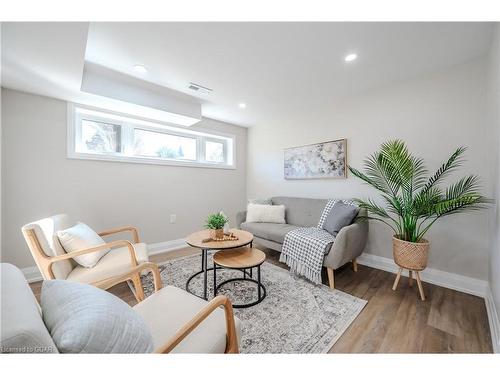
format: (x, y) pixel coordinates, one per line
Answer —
(145, 160)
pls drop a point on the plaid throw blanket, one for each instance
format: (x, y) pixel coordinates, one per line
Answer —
(305, 248)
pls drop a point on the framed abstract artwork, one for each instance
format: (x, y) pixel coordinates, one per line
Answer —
(319, 160)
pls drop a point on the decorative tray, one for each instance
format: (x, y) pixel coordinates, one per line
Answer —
(227, 237)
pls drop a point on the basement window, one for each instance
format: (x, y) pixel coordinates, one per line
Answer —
(103, 135)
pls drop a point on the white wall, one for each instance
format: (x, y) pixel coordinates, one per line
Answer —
(494, 131)
(38, 181)
(433, 114)
(1, 173)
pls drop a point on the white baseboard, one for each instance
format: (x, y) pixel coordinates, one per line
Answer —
(164, 247)
(494, 321)
(445, 279)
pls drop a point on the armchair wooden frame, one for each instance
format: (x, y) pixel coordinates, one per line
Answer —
(231, 339)
(186, 329)
(45, 262)
(133, 230)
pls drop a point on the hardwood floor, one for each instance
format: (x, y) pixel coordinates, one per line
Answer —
(392, 321)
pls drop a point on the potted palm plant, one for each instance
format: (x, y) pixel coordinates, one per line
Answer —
(215, 223)
(413, 200)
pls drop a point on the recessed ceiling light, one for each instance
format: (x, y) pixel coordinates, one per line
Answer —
(350, 57)
(242, 105)
(140, 68)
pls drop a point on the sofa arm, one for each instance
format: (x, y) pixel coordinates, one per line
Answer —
(241, 217)
(349, 244)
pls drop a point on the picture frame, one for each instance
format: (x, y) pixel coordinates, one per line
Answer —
(316, 161)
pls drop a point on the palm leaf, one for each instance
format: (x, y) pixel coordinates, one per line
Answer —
(414, 201)
(369, 180)
(379, 211)
(454, 161)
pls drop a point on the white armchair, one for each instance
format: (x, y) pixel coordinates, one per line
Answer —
(54, 263)
(178, 321)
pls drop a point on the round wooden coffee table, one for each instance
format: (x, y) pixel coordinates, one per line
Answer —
(202, 241)
(241, 259)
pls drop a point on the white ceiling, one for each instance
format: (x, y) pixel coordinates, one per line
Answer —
(43, 58)
(273, 67)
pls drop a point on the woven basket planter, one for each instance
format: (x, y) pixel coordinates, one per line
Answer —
(410, 255)
(217, 234)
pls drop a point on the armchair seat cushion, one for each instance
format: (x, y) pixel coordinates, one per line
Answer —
(167, 310)
(268, 231)
(116, 262)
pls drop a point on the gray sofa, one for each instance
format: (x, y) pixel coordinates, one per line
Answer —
(306, 212)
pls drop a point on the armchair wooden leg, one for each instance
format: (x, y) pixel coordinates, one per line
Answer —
(410, 277)
(354, 265)
(139, 291)
(331, 280)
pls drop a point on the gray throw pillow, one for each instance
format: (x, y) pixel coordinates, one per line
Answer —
(84, 319)
(340, 215)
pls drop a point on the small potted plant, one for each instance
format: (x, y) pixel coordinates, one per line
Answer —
(414, 201)
(215, 223)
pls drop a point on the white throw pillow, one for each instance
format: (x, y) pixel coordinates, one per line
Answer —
(79, 237)
(264, 213)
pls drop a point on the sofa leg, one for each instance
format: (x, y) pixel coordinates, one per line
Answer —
(331, 280)
(355, 265)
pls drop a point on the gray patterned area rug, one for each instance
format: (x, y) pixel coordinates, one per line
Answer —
(295, 317)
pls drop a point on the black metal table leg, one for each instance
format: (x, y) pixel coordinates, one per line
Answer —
(261, 289)
(205, 269)
(205, 273)
(258, 281)
(215, 279)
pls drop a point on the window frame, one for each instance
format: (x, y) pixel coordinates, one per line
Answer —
(175, 134)
(203, 150)
(128, 123)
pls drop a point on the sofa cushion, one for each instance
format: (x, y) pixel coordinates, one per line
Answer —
(114, 263)
(22, 328)
(264, 213)
(302, 212)
(340, 215)
(167, 310)
(79, 237)
(268, 231)
(84, 319)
